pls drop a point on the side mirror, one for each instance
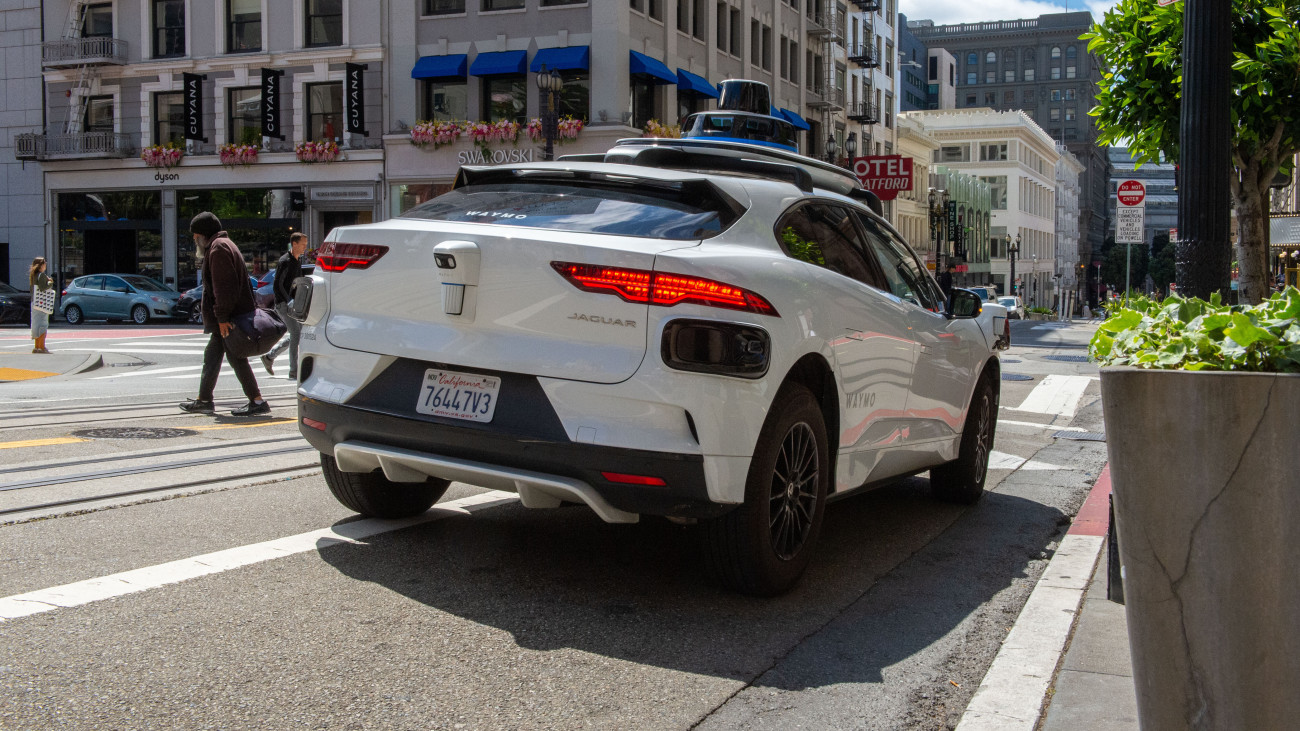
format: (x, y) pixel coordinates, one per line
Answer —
(964, 304)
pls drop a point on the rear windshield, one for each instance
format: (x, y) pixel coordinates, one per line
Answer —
(648, 212)
(145, 284)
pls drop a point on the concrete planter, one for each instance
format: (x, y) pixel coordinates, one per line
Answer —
(1206, 474)
(1037, 316)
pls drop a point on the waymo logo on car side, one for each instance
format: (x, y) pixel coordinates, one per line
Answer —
(602, 320)
(495, 214)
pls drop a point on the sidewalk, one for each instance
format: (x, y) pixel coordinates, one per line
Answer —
(26, 366)
(1055, 674)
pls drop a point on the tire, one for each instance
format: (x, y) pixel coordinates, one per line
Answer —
(962, 480)
(73, 315)
(747, 549)
(196, 316)
(374, 496)
(139, 314)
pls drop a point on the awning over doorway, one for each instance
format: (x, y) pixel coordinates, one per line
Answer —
(795, 119)
(573, 58)
(431, 68)
(643, 65)
(499, 63)
(1284, 231)
(695, 84)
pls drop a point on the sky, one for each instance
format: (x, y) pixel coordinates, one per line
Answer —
(969, 11)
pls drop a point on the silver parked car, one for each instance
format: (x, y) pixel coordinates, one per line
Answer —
(117, 297)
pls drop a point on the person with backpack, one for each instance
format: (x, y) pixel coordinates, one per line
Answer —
(287, 269)
(226, 294)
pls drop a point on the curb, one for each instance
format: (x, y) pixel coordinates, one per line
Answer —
(93, 361)
(1013, 691)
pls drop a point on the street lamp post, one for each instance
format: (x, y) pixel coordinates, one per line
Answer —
(831, 148)
(1013, 248)
(851, 148)
(938, 199)
(549, 85)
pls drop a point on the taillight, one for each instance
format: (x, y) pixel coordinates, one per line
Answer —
(336, 257)
(64, 293)
(661, 288)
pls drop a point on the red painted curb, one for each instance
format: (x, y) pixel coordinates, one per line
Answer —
(1094, 517)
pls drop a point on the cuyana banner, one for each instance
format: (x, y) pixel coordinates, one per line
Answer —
(884, 175)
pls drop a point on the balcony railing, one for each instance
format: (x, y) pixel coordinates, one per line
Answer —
(864, 113)
(37, 146)
(864, 55)
(868, 6)
(77, 51)
(828, 24)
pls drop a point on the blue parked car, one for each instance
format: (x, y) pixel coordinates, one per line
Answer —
(117, 297)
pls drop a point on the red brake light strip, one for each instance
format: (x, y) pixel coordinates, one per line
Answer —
(336, 257)
(660, 288)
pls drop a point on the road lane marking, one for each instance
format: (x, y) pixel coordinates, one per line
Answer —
(1003, 461)
(1056, 394)
(1040, 425)
(41, 442)
(173, 572)
(153, 372)
(132, 351)
(215, 427)
(22, 374)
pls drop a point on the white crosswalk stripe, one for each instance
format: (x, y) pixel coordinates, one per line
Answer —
(1056, 394)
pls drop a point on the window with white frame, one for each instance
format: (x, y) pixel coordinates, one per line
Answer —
(325, 111)
(455, 7)
(993, 151)
(324, 23)
(97, 21)
(99, 114)
(243, 26)
(168, 28)
(244, 116)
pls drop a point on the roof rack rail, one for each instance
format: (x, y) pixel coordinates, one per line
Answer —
(674, 158)
(582, 157)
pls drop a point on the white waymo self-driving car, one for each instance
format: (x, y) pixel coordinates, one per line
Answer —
(709, 329)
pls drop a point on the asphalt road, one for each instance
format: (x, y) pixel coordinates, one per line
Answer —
(495, 616)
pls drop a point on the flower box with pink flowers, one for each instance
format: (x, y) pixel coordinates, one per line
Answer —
(317, 151)
(232, 155)
(161, 156)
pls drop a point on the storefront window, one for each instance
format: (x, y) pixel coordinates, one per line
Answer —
(575, 96)
(258, 220)
(643, 102)
(245, 122)
(169, 118)
(109, 233)
(504, 97)
(324, 111)
(406, 197)
(446, 101)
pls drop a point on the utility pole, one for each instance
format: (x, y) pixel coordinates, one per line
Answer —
(1203, 255)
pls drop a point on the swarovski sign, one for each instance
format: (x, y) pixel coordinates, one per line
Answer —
(193, 84)
(477, 156)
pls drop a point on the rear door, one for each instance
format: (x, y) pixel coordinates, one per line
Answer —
(554, 276)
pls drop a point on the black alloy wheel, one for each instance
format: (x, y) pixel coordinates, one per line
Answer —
(794, 491)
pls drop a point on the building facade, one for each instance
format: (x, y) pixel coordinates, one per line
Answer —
(913, 66)
(22, 218)
(1069, 272)
(941, 74)
(912, 207)
(1040, 66)
(1017, 159)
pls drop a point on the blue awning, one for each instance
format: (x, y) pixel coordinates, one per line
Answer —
(695, 84)
(499, 63)
(795, 119)
(643, 65)
(440, 67)
(573, 58)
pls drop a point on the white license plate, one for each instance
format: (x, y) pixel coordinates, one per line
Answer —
(458, 395)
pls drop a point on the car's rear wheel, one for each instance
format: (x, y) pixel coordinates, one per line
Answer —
(764, 545)
(139, 314)
(73, 315)
(374, 496)
(196, 315)
(962, 480)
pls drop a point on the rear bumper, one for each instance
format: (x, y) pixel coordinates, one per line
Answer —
(542, 468)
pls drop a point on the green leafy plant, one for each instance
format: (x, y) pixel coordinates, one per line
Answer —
(1040, 310)
(1195, 335)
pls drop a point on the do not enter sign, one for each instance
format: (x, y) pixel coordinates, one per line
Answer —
(1132, 193)
(1129, 214)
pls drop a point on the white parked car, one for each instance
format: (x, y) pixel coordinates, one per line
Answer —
(677, 328)
(1015, 310)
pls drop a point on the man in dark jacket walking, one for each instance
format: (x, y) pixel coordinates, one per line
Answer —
(287, 269)
(226, 294)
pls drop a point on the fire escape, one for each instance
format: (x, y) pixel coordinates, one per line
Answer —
(826, 25)
(862, 52)
(84, 55)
